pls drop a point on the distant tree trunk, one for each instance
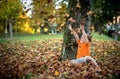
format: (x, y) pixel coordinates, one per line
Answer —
(78, 11)
(16, 31)
(10, 29)
(6, 28)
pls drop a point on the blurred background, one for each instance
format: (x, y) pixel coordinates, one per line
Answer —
(20, 17)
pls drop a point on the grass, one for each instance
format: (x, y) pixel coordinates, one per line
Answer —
(29, 37)
(100, 37)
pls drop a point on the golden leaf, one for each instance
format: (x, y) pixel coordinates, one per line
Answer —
(56, 73)
(67, 15)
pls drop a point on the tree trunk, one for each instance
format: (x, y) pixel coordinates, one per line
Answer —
(10, 29)
(79, 14)
(16, 29)
(6, 28)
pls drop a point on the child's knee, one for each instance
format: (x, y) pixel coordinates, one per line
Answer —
(88, 58)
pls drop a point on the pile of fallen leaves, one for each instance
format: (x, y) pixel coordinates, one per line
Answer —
(40, 60)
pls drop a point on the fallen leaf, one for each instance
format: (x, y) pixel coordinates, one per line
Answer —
(56, 73)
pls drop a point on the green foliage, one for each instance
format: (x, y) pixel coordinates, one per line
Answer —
(9, 9)
(110, 9)
(41, 10)
(105, 10)
(45, 12)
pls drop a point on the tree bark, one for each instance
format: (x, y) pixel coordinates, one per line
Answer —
(79, 14)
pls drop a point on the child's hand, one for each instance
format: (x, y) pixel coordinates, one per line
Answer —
(69, 27)
(81, 27)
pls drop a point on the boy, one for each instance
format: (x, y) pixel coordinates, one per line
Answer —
(83, 51)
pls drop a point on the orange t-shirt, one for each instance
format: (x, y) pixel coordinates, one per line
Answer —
(83, 49)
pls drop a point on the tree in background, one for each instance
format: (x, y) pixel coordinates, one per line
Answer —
(42, 12)
(9, 11)
(46, 15)
(23, 24)
(105, 11)
(79, 11)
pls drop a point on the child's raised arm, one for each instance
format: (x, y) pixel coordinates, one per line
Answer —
(73, 32)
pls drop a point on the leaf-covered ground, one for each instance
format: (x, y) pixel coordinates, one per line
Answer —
(40, 60)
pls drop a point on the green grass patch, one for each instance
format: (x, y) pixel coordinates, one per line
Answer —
(97, 36)
(29, 37)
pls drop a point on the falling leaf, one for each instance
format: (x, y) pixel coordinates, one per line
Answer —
(89, 12)
(78, 5)
(71, 19)
(67, 15)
